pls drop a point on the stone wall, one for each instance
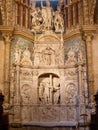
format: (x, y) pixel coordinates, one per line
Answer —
(2, 65)
(95, 61)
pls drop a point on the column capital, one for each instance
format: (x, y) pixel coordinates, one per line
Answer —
(87, 36)
(7, 36)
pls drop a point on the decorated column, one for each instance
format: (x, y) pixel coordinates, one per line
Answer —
(88, 40)
(35, 85)
(17, 84)
(86, 11)
(80, 13)
(80, 78)
(7, 37)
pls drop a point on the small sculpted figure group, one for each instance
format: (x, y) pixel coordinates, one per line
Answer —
(45, 18)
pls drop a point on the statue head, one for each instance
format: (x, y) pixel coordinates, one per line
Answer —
(48, 3)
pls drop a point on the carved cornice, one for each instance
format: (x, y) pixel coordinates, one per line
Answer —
(6, 28)
(89, 28)
(88, 32)
(81, 31)
(24, 34)
(71, 34)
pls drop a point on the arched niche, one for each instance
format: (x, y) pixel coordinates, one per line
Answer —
(49, 89)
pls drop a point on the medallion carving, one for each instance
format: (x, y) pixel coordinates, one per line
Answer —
(70, 93)
(71, 59)
(25, 94)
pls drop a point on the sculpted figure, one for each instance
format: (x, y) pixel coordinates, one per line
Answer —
(17, 56)
(80, 56)
(26, 53)
(44, 16)
(36, 58)
(36, 19)
(25, 93)
(44, 92)
(50, 16)
(26, 57)
(58, 21)
(70, 94)
(47, 15)
(71, 57)
(48, 56)
(33, 13)
(56, 94)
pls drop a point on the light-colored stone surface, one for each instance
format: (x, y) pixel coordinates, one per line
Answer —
(2, 66)
(95, 61)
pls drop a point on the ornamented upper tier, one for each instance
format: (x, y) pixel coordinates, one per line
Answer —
(45, 18)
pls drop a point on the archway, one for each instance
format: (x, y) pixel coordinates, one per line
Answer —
(49, 89)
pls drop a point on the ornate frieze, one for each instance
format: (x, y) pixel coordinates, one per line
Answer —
(26, 74)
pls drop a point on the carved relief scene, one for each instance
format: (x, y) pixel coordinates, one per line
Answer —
(45, 18)
(49, 89)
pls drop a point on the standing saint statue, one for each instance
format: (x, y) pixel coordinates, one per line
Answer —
(17, 56)
(47, 15)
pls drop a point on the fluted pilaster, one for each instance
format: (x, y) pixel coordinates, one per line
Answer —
(88, 39)
(7, 38)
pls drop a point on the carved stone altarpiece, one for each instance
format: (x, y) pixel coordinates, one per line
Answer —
(44, 86)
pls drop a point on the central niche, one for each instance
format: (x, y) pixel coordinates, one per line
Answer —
(48, 89)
